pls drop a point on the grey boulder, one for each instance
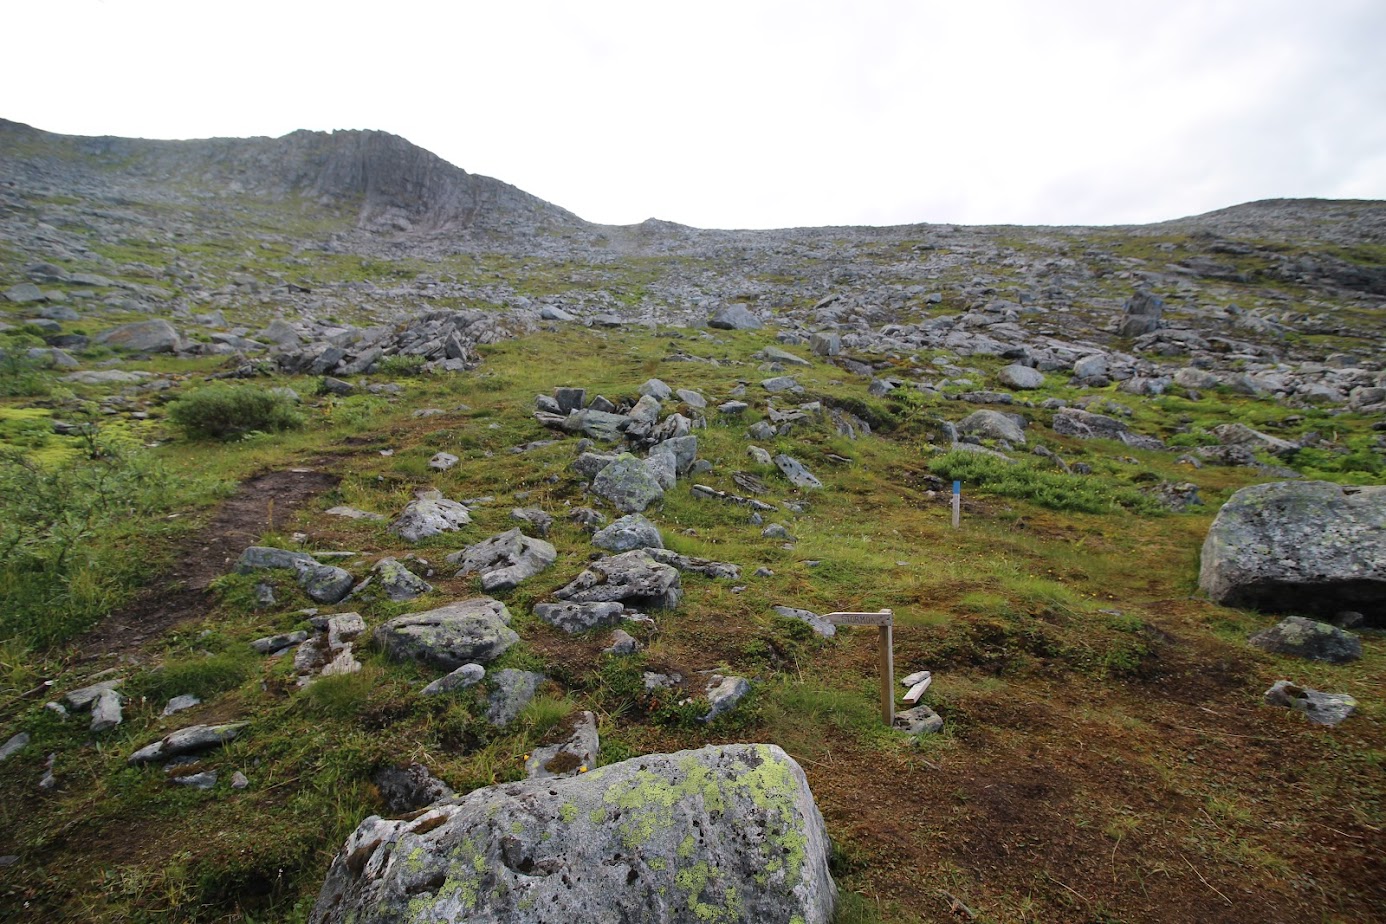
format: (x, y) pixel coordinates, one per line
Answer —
(1020, 377)
(397, 582)
(156, 336)
(324, 583)
(511, 691)
(188, 740)
(430, 514)
(504, 560)
(632, 531)
(476, 630)
(994, 425)
(1307, 547)
(577, 754)
(465, 676)
(726, 832)
(814, 621)
(628, 484)
(1305, 638)
(633, 578)
(1318, 708)
(579, 617)
(734, 317)
(794, 470)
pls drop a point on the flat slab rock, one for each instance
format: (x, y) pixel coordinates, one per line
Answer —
(726, 833)
(476, 630)
(576, 754)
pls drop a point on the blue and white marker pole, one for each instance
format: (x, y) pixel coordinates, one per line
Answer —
(957, 502)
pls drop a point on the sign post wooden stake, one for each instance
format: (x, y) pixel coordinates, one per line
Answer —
(957, 502)
(885, 622)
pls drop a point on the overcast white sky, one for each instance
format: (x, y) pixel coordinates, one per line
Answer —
(756, 115)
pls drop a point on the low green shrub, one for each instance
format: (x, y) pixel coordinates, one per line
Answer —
(400, 365)
(1025, 480)
(226, 412)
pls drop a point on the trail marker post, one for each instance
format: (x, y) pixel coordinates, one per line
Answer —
(885, 621)
(957, 502)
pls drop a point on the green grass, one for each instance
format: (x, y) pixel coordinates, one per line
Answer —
(1026, 480)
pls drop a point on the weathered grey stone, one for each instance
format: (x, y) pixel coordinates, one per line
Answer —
(258, 557)
(723, 694)
(627, 484)
(760, 430)
(538, 520)
(622, 643)
(180, 703)
(271, 644)
(734, 317)
(1092, 366)
(569, 399)
(1190, 377)
(105, 711)
(1306, 546)
(324, 583)
(691, 398)
(613, 844)
(826, 344)
(587, 518)
(994, 425)
(16, 744)
(1305, 638)
(430, 514)
(409, 788)
(504, 560)
(921, 720)
(1140, 315)
(1319, 708)
(85, 696)
(156, 336)
(633, 578)
(815, 622)
(442, 461)
(577, 754)
(663, 466)
(187, 741)
(776, 355)
(579, 617)
(654, 388)
(794, 470)
(704, 566)
(632, 531)
(1242, 436)
(351, 513)
(511, 691)
(24, 293)
(1020, 377)
(1084, 425)
(465, 676)
(397, 582)
(450, 636)
(780, 383)
(205, 779)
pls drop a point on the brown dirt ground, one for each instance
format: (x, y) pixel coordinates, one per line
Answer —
(261, 504)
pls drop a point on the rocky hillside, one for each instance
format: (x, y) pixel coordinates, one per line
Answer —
(379, 542)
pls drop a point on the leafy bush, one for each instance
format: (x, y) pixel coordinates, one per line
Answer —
(400, 365)
(22, 377)
(1025, 480)
(62, 561)
(224, 412)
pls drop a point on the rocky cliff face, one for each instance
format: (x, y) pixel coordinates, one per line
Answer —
(394, 185)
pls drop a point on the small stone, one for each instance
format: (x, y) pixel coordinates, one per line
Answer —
(465, 676)
(1305, 638)
(272, 644)
(204, 780)
(105, 711)
(1319, 708)
(723, 693)
(239, 780)
(815, 622)
(622, 643)
(14, 745)
(511, 692)
(179, 703)
(442, 461)
(921, 720)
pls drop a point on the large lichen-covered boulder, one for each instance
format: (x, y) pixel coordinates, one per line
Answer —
(156, 336)
(430, 514)
(1300, 546)
(476, 630)
(725, 833)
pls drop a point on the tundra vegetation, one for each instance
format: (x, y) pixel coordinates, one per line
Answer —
(1106, 754)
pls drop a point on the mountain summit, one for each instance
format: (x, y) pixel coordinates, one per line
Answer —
(394, 184)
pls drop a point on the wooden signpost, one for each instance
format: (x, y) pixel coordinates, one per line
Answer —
(885, 621)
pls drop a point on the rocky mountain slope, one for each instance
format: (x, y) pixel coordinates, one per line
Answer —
(350, 502)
